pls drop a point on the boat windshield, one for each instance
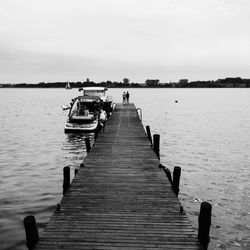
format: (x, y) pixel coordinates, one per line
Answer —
(79, 107)
(99, 93)
(90, 106)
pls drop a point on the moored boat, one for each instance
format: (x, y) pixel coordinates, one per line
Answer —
(83, 115)
(101, 92)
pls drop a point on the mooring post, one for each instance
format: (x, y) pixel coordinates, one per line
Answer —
(149, 134)
(156, 139)
(204, 223)
(104, 124)
(58, 207)
(87, 143)
(66, 179)
(168, 174)
(96, 134)
(176, 179)
(76, 171)
(32, 235)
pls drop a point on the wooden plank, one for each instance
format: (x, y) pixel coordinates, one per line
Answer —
(120, 199)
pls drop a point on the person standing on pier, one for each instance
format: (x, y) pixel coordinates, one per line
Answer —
(127, 97)
(102, 118)
(123, 98)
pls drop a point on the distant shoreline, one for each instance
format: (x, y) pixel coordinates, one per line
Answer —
(230, 82)
(141, 87)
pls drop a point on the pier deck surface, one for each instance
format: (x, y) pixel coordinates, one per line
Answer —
(120, 199)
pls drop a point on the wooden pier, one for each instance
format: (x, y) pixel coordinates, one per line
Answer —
(120, 198)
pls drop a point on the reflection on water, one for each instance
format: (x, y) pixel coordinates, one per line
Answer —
(73, 147)
(206, 133)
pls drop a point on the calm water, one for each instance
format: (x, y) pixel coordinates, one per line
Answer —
(207, 133)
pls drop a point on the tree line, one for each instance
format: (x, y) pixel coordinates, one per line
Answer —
(230, 82)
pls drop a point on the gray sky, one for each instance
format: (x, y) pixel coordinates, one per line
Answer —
(60, 40)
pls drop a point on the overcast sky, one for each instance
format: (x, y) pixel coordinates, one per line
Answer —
(60, 40)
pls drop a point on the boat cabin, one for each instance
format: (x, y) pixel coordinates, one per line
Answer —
(96, 91)
(84, 108)
(84, 114)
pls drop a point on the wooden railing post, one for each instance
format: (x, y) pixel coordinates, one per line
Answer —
(156, 139)
(176, 179)
(103, 127)
(175, 182)
(168, 174)
(76, 171)
(204, 223)
(149, 134)
(87, 143)
(66, 179)
(32, 235)
(58, 207)
(96, 134)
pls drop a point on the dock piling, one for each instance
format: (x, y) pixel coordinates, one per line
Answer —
(176, 179)
(181, 209)
(156, 140)
(96, 134)
(204, 223)
(66, 179)
(87, 143)
(140, 114)
(76, 171)
(149, 134)
(103, 127)
(168, 174)
(58, 207)
(175, 182)
(32, 235)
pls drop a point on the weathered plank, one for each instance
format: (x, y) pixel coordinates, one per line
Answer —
(120, 199)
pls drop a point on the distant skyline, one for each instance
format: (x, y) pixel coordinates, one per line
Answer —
(62, 40)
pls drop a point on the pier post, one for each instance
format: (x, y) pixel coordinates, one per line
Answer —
(176, 179)
(87, 143)
(103, 127)
(149, 134)
(32, 235)
(96, 134)
(168, 174)
(76, 171)
(156, 139)
(58, 207)
(204, 223)
(66, 179)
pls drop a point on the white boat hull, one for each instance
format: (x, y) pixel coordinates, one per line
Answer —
(80, 128)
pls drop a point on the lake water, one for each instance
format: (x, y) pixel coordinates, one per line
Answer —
(207, 133)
